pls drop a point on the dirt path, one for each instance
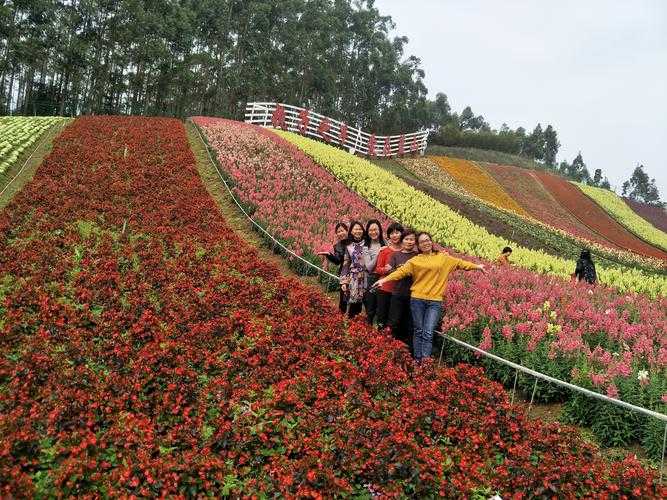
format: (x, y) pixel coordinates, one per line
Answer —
(233, 216)
(29, 161)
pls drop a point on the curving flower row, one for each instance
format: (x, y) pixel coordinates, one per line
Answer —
(590, 213)
(18, 134)
(147, 351)
(297, 199)
(526, 231)
(477, 182)
(414, 208)
(529, 191)
(655, 215)
(624, 215)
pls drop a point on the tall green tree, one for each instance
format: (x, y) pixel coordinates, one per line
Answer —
(578, 170)
(534, 144)
(640, 188)
(190, 57)
(551, 145)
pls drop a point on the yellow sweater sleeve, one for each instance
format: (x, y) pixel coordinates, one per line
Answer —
(464, 264)
(402, 272)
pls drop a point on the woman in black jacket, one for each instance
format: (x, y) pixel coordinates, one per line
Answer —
(585, 269)
(336, 255)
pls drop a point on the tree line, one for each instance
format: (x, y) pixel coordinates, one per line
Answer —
(189, 57)
(210, 57)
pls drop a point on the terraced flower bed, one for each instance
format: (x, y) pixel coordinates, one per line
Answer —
(624, 215)
(18, 134)
(284, 189)
(147, 351)
(414, 208)
(531, 194)
(613, 342)
(477, 182)
(525, 231)
(655, 215)
(589, 213)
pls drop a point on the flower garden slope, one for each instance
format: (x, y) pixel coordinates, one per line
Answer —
(526, 231)
(297, 199)
(414, 208)
(623, 214)
(18, 134)
(477, 182)
(532, 195)
(589, 213)
(147, 351)
(655, 215)
(643, 320)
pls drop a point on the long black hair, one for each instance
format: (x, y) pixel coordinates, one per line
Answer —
(586, 255)
(350, 238)
(367, 239)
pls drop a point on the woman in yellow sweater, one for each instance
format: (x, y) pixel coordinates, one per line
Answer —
(429, 271)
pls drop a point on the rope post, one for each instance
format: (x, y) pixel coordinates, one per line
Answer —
(662, 461)
(442, 348)
(516, 376)
(532, 397)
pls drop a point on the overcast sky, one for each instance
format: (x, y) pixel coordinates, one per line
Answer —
(595, 69)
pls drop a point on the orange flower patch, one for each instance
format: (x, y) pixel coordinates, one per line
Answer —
(476, 181)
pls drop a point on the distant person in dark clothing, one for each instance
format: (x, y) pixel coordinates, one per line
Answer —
(504, 258)
(585, 269)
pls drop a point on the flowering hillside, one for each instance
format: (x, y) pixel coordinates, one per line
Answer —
(525, 231)
(655, 215)
(147, 351)
(477, 182)
(589, 213)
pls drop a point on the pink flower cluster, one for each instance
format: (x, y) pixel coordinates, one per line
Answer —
(299, 200)
(611, 336)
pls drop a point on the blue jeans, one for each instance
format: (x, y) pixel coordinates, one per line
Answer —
(425, 316)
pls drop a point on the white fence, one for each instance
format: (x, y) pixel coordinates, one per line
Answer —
(306, 122)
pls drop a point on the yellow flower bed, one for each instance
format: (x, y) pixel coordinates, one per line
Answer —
(476, 181)
(624, 215)
(414, 208)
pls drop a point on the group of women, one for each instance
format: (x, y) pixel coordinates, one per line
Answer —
(399, 281)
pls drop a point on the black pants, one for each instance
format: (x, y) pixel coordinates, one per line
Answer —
(354, 308)
(342, 302)
(382, 314)
(400, 318)
(371, 299)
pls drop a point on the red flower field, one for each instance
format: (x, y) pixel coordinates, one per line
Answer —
(655, 215)
(530, 193)
(589, 213)
(147, 351)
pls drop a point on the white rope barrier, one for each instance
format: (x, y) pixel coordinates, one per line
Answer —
(517, 367)
(547, 378)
